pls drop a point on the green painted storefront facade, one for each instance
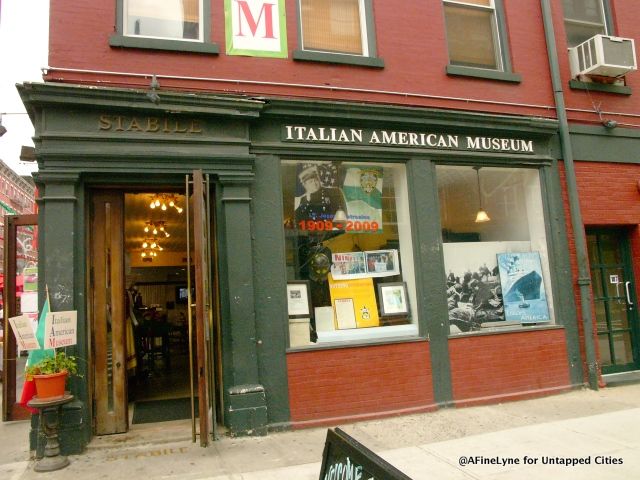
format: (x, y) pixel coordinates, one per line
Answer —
(90, 137)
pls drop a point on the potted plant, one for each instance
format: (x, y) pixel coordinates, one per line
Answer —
(50, 374)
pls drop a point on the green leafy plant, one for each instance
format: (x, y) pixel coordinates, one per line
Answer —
(57, 363)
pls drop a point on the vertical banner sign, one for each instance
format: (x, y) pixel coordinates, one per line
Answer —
(256, 28)
(60, 329)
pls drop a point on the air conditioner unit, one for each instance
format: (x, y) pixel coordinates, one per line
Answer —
(603, 55)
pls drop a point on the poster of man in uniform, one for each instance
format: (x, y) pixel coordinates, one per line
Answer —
(318, 197)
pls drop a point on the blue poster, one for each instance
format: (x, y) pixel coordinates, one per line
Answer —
(523, 291)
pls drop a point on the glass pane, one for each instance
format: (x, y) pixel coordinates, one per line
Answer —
(332, 26)
(618, 314)
(605, 351)
(26, 289)
(614, 278)
(622, 348)
(583, 10)
(486, 3)
(610, 248)
(178, 19)
(601, 316)
(576, 34)
(592, 247)
(474, 283)
(348, 238)
(471, 37)
(596, 283)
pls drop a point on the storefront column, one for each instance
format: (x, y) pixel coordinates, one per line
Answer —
(246, 409)
(60, 271)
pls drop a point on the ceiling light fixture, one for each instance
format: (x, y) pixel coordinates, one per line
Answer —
(155, 227)
(481, 216)
(161, 200)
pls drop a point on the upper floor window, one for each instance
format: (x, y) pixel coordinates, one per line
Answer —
(174, 19)
(178, 25)
(339, 31)
(583, 19)
(333, 26)
(472, 33)
(476, 37)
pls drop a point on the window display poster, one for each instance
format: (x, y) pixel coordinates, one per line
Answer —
(363, 191)
(318, 198)
(372, 263)
(523, 291)
(362, 294)
(474, 295)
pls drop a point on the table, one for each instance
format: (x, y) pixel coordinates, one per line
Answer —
(49, 409)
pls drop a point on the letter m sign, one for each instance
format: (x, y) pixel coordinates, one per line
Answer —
(256, 28)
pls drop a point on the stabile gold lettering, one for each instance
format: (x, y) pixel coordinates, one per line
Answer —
(152, 124)
(195, 127)
(119, 127)
(178, 129)
(121, 123)
(134, 125)
(104, 122)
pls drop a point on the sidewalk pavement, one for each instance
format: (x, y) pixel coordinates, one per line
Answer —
(596, 433)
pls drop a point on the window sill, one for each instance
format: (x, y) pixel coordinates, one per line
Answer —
(599, 87)
(160, 44)
(341, 58)
(485, 73)
(362, 337)
(506, 329)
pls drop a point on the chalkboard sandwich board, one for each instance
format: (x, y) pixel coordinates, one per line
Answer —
(346, 458)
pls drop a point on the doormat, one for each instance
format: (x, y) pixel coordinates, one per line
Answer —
(153, 411)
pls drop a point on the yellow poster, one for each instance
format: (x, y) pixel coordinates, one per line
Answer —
(354, 299)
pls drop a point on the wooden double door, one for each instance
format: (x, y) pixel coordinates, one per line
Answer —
(111, 309)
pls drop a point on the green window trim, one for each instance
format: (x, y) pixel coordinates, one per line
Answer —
(506, 73)
(485, 73)
(599, 87)
(341, 58)
(119, 39)
(371, 60)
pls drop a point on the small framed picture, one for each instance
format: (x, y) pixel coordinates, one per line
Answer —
(298, 300)
(393, 299)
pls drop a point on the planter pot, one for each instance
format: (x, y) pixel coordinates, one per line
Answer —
(50, 386)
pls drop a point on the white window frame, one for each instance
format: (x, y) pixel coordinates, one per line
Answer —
(200, 39)
(604, 12)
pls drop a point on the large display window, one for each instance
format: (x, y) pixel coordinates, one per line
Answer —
(495, 248)
(349, 256)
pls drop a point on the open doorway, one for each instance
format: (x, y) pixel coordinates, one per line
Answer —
(154, 315)
(156, 278)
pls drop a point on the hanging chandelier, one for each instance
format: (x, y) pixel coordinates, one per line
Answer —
(163, 201)
(155, 227)
(151, 247)
(481, 216)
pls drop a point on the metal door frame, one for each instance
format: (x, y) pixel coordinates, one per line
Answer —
(622, 235)
(11, 410)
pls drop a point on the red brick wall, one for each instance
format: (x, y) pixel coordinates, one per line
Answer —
(331, 386)
(608, 197)
(487, 368)
(410, 37)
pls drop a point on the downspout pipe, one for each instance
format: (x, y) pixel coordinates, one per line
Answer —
(584, 278)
